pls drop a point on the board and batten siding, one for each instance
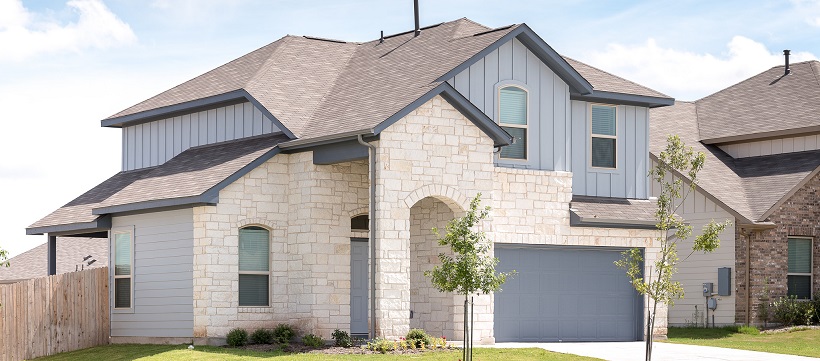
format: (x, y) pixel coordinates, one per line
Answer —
(772, 146)
(629, 179)
(548, 140)
(698, 210)
(154, 143)
(163, 303)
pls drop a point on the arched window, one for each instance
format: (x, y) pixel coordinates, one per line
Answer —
(254, 266)
(360, 223)
(512, 116)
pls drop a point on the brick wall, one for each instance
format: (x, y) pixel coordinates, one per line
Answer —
(798, 216)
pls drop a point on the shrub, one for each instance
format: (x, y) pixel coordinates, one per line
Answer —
(790, 311)
(749, 330)
(418, 337)
(342, 338)
(312, 340)
(381, 345)
(262, 335)
(283, 333)
(237, 337)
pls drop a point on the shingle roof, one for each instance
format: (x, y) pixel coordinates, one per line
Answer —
(613, 210)
(608, 82)
(763, 105)
(319, 87)
(749, 186)
(192, 173)
(70, 253)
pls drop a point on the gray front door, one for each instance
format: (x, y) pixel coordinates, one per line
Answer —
(565, 294)
(358, 286)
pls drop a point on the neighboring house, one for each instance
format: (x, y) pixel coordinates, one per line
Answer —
(252, 194)
(762, 149)
(71, 254)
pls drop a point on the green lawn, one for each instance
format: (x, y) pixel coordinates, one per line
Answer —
(802, 343)
(203, 353)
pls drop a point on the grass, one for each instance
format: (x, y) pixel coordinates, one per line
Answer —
(205, 353)
(802, 343)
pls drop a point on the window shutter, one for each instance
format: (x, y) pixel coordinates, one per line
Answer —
(517, 150)
(603, 152)
(254, 249)
(122, 256)
(799, 255)
(603, 120)
(512, 106)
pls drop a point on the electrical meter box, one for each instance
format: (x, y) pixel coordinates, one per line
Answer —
(712, 303)
(707, 289)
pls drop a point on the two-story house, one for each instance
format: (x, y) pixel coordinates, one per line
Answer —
(299, 183)
(761, 138)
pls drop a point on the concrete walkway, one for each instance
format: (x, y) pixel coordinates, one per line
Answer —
(632, 351)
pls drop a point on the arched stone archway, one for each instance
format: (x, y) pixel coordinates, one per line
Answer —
(432, 310)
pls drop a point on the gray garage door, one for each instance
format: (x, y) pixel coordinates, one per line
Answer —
(565, 294)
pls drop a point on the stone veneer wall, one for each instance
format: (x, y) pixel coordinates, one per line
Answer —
(798, 216)
(433, 310)
(532, 207)
(307, 207)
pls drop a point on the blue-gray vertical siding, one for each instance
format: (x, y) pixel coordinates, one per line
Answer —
(163, 276)
(549, 104)
(154, 143)
(629, 179)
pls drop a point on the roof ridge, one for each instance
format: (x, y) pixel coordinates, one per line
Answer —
(616, 76)
(814, 71)
(741, 82)
(327, 91)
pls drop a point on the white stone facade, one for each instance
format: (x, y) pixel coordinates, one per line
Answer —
(429, 165)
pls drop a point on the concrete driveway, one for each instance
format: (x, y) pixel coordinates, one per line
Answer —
(632, 351)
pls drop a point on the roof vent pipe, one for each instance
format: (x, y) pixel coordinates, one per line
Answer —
(786, 54)
(381, 38)
(416, 11)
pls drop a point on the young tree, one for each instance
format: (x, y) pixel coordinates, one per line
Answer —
(471, 270)
(672, 229)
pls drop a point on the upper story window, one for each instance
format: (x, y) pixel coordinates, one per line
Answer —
(604, 137)
(512, 116)
(799, 276)
(123, 270)
(254, 267)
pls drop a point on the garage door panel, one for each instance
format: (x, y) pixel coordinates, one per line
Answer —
(564, 294)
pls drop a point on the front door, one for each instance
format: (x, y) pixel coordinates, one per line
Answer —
(358, 286)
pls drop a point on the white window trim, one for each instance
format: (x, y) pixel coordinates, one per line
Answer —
(811, 265)
(526, 127)
(592, 135)
(114, 276)
(268, 272)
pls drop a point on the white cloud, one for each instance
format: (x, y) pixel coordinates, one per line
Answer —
(24, 34)
(688, 75)
(810, 11)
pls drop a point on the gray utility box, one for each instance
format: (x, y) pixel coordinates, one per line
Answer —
(725, 281)
(707, 289)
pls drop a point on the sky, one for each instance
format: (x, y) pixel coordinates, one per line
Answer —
(66, 65)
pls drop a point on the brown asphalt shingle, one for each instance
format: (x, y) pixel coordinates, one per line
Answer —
(604, 81)
(191, 173)
(767, 102)
(604, 208)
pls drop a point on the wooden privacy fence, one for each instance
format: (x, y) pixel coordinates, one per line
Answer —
(48, 315)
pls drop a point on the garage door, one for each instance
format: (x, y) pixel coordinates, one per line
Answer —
(565, 294)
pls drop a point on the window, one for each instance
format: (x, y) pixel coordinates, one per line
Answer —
(799, 276)
(512, 116)
(604, 137)
(123, 269)
(254, 266)
(360, 223)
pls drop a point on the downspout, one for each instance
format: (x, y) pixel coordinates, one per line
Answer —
(748, 277)
(372, 233)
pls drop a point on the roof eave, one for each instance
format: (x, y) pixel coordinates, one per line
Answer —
(761, 136)
(224, 99)
(578, 221)
(99, 224)
(789, 194)
(626, 99)
(541, 49)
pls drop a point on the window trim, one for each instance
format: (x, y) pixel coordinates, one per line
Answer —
(114, 232)
(593, 135)
(811, 265)
(526, 127)
(268, 273)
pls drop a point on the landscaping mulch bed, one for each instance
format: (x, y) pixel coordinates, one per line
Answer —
(334, 350)
(775, 330)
